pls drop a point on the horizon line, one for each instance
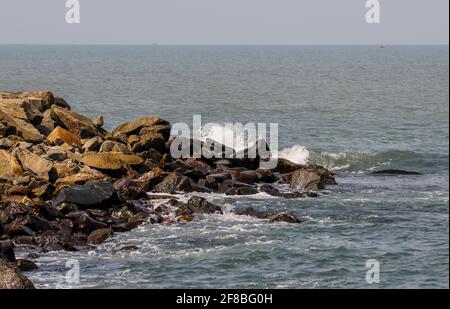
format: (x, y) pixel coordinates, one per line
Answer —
(226, 44)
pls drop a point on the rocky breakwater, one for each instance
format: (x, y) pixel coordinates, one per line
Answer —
(68, 184)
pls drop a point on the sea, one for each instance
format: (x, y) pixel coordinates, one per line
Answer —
(352, 109)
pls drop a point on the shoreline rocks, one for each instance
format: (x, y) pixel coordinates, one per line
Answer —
(68, 184)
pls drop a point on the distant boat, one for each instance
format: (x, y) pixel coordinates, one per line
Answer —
(381, 46)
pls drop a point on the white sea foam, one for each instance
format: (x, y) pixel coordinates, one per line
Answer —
(297, 154)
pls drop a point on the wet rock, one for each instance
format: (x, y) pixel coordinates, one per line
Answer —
(84, 223)
(149, 180)
(307, 180)
(249, 177)
(26, 265)
(110, 160)
(7, 251)
(185, 218)
(198, 205)
(39, 225)
(34, 163)
(74, 122)
(266, 176)
(242, 191)
(66, 208)
(271, 190)
(285, 166)
(11, 278)
(133, 127)
(15, 228)
(93, 144)
(98, 237)
(285, 217)
(60, 134)
(127, 226)
(174, 183)
(97, 194)
(9, 166)
(396, 172)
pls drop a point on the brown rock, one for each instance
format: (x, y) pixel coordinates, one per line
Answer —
(307, 180)
(47, 124)
(93, 144)
(133, 127)
(34, 163)
(9, 166)
(74, 122)
(110, 160)
(149, 141)
(20, 127)
(63, 135)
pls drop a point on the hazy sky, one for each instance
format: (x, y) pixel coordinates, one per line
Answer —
(225, 22)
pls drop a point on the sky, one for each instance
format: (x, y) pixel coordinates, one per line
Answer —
(216, 22)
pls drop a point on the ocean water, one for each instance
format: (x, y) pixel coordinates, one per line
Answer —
(353, 109)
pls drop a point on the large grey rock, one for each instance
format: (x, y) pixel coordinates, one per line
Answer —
(88, 195)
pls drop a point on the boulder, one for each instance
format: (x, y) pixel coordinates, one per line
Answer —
(285, 217)
(110, 160)
(285, 166)
(9, 166)
(26, 265)
(65, 169)
(45, 98)
(133, 127)
(197, 205)
(78, 179)
(113, 146)
(307, 180)
(173, 183)
(7, 251)
(11, 278)
(84, 223)
(164, 130)
(93, 144)
(34, 163)
(47, 124)
(74, 122)
(149, 141)
(99, 236)
(60, 134)
(88, 195)
(20, 127)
